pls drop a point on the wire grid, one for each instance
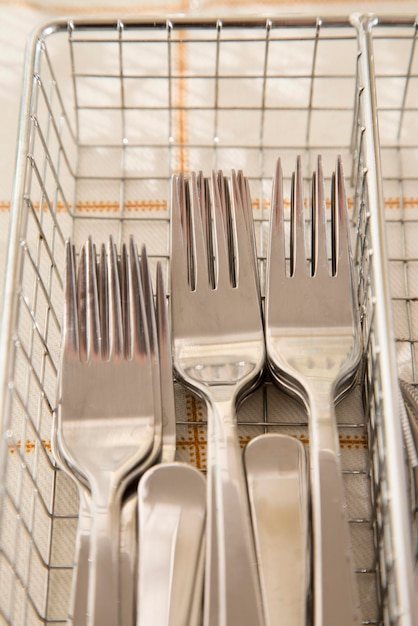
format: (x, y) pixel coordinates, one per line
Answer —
(113, 109)
(397, 85)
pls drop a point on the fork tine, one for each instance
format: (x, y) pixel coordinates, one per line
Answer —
(168, 411)
(178, 241)
(221, 203)
(187, 235)
(276, 258)
(114, 312)
(94, 336)
(319, 221)
(70, 320)
(206, 214)
(126, 300)
(244, 187)
(149, 301)
(297, 224)
(88, 304)
(200, 181)
(150, 316)
(81, 306)
(103, 302)
(249, 214)
(162, 322)
(225, 204)
(199, 261)
(246, 265)
(340, 214)
(161, 311)
(139, 329)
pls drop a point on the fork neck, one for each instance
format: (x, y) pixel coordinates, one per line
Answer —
(322, 423)
(221, 401)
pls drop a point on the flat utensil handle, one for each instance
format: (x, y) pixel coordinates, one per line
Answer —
(232, 593)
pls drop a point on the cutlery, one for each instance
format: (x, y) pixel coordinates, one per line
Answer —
(128, 531)
(172, 508)
(171, 505)
(105, 417)
(218, 351)
(277, 479)
(313, 350)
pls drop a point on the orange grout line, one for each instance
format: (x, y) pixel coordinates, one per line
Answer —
(195, 443)
(181, 101)
(161, 204)
(158, 205)
(29, 445)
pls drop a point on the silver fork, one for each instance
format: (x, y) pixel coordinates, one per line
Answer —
(79, 592)
(313, 348)
(105, 417)
(218, 351)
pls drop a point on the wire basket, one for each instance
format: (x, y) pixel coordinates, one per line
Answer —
(110, 110)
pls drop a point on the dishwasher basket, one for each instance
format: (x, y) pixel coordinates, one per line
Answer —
(110, 110)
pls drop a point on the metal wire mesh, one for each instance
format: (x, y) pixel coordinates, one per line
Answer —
(111, 110)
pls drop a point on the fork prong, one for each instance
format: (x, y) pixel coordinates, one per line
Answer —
(246, 265)
(206, 216)
(319, 221)
(149, 300)
(198, 248)
(244, 187)
(94, 343)
(139, 328)
(223, 253)
(246, 194)
(70, 320)
(151, 326)
(340, 217)
(276, 258)
(225, 198)
(249, 214)
(168, 411)
(114, 302)
(103, 301)
(178, 239)
(126, 300)
(200, 181)
(161, 310)
(88, 304)
(81, 304)
(297, 223)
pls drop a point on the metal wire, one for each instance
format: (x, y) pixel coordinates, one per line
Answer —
(111, 110)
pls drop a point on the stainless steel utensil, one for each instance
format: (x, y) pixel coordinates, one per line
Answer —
(218, 352)
(277, 479)
(172, 509)
(313, 348)
(168, 412)
(105, 418)
(171, 502)
(128, 531)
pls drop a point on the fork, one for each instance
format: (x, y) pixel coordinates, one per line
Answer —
(79, 592)
(171, 507)
(218, 351)
(313, 349)
(105, 417)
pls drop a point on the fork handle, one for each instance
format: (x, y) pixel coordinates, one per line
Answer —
(103, 594)
(335, 594)
(78, 599)
(232, 594)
